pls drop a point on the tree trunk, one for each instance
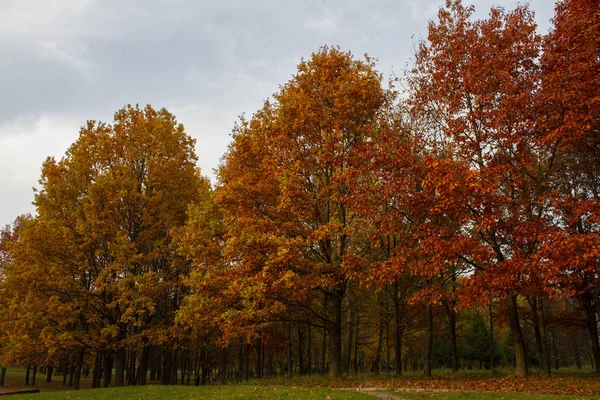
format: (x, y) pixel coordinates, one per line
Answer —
(222, 372)
(142, 371)
(2, 376)
(428, 342)
(300, 349)
(120, 365)
(131, 378)
(310, 349)
(335, 333)
(515, 327)
(356, 361)
(49, 374)
(108, 366)
(27, 371)
(453, 338)
(34, 375)
(397, 331)
(97, 370)
(592, 324)
(120, 357)
(377, 358)
(491, 336)
(65, 371)
(258, 358)
(78, 366)
(347, 351)
(290, 364)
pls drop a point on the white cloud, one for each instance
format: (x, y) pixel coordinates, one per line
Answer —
(25, 143)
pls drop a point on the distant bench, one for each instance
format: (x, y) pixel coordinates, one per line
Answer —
(23, 391)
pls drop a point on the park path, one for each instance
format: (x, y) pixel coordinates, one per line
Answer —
(380, 393)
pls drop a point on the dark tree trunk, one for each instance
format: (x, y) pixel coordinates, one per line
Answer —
(335, 333)
(49, 374)
(453, 338)
(142, 371)
(356, 361)
(258, 358)
(491, 336)
(97, 373)
(71, 374)
(397, 331)
(223, 368)
(131, 378)
(289, 360)
(27, 371)
(2, 376)
(108, 366)
(347, 350)
(521, 368)
(592, 324)
(65, 371)
(377, 358)
(428, 342)
(310, 349)
(540, 337)
(34, 375)
(240, 362)
(300, 349)
(78, 367)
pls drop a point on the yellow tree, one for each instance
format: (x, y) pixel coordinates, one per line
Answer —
(117, 199)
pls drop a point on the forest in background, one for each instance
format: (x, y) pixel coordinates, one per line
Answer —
(448, 219)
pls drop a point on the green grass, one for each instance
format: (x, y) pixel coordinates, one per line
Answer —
(487, 396)
(216, 392)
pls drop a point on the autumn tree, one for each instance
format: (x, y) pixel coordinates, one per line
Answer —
(475, 83)
(285, 188)
(569, 100)
(115, 201)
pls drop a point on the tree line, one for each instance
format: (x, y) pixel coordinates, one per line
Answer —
(447, 219)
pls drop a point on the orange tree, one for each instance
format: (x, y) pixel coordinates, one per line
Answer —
(474, 88)
(284, 193)
(570, 102)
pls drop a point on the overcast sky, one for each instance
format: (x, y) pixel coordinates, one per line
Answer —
(63, 62)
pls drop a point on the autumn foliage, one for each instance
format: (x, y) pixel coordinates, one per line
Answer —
(448, 220)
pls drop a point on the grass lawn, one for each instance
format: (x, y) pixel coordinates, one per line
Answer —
(201, 392)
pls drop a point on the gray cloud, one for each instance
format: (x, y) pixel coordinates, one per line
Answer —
(65, 61)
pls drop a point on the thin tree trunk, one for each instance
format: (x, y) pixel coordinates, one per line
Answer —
(310, 349)
(27, 371)
(491, 336)
(428, 342)
(142, 371)
(258, 358)
(453, 337)
(290, 365)
(97, 370)
(108, 366)
(120, 365)
(335, 333)
(300, 349)
(515, 327)
(592, 324)
(397, 331)
(356, 361)
(78, 367)
(49, 374)
(34, 375)
(347, 350)
(2, 376)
